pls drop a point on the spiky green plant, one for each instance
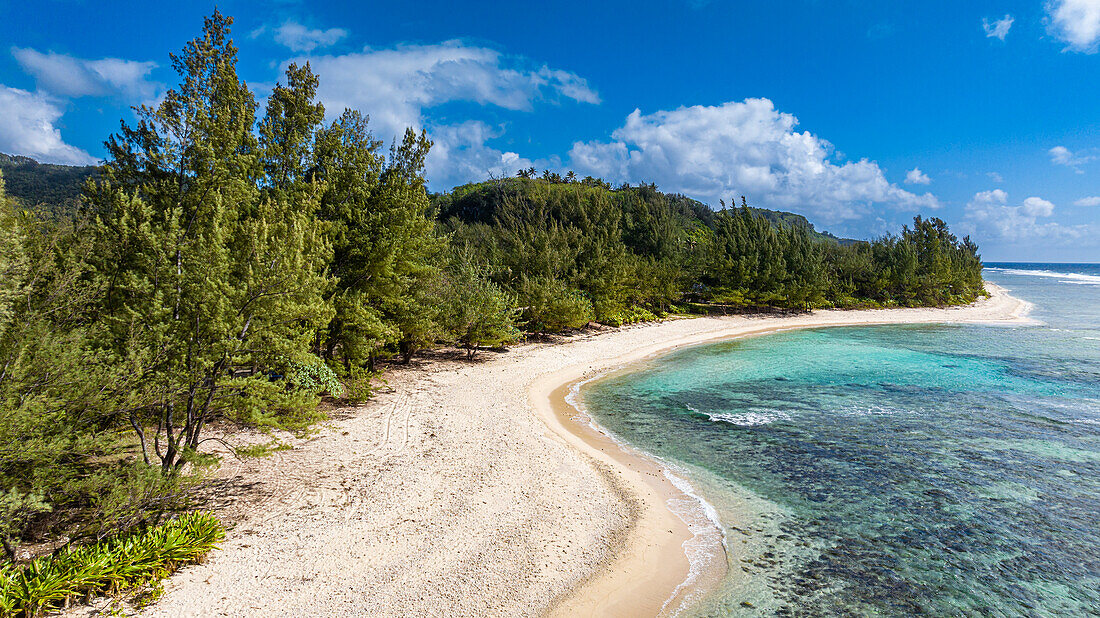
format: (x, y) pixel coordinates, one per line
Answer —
(120, 563)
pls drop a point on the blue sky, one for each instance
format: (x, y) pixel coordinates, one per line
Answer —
(857, 114)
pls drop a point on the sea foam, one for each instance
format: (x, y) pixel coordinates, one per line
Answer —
(698, 515)
(743, 419)
(706, 529)
(1077, 278)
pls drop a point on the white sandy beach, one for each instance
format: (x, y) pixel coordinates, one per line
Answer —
(467, 490)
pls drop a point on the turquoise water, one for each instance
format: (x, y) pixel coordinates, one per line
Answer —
(893, 470)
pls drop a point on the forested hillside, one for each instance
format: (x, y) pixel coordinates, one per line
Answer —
(574, 251)
(230, 265)
(48, 188)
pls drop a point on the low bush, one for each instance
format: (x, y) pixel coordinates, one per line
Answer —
(628, 315)
(121, 563)
(550, 306)
(315, 377)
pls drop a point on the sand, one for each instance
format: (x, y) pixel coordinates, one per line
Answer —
(469, 489)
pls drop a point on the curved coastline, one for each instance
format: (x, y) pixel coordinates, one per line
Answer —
(466, 489)
(648, 573)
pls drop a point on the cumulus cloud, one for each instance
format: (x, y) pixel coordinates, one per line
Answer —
(1037, 207)
(64, 75)
(397, 84)
(400, 85)
(989, 215)
(742, 148)
(460, 154)
(998, 29)
(1060, 155)
(299, 38)
(28, 127)
(1076, 23)
(917, 177)
(1088, 201)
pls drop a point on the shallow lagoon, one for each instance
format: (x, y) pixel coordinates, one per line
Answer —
(893, 470)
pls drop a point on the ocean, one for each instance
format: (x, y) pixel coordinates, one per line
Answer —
(891, 470)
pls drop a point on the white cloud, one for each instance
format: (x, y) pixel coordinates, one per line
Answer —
(302, 39)
(1076, 23)
(569, 85)
(742, 148)
(1060, 155)
(917, 177)
(999, 28)
(989, 216)
(64, 75)
(995, 177)
(1088, 201)
(460, 155)
(28, 127)
(1037, 207)
(996, 196)
(395, 85)
(398, 86)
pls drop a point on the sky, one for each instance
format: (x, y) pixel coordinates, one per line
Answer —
(857, 114)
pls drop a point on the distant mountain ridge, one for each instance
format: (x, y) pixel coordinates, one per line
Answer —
(49, 187)
(55, 189)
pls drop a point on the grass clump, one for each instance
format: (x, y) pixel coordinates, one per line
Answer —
(124, 562)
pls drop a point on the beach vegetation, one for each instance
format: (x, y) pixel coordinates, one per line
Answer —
(229, 267)
(123, 563)
(477, 313)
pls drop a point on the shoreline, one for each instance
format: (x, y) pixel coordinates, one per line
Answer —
(631, 583)
(462, 489)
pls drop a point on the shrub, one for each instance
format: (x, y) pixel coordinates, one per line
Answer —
(314, 376)
(628, 315)
(120, 563)
(476, 313)
(359, 384)
(550, 306)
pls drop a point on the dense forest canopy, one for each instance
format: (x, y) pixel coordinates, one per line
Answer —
(231, 265)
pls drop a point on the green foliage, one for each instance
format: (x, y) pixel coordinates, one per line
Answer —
(477, 312)
(61, 465)
(220, 277)
(634, 252)
(359, 385)
(261, 449)
(629, 315)
(53, 190)
(549, 306)
(217, 250)
(386, 249)
(18, 510)
(121, 563)
(314, 377)
(13, 258)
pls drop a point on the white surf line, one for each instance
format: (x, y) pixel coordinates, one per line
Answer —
(706, 511)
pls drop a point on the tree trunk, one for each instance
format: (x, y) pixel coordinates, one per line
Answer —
(141, 436)
(169, 441)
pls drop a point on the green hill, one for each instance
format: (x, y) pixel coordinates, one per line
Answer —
(51, 188)
(481, 202)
